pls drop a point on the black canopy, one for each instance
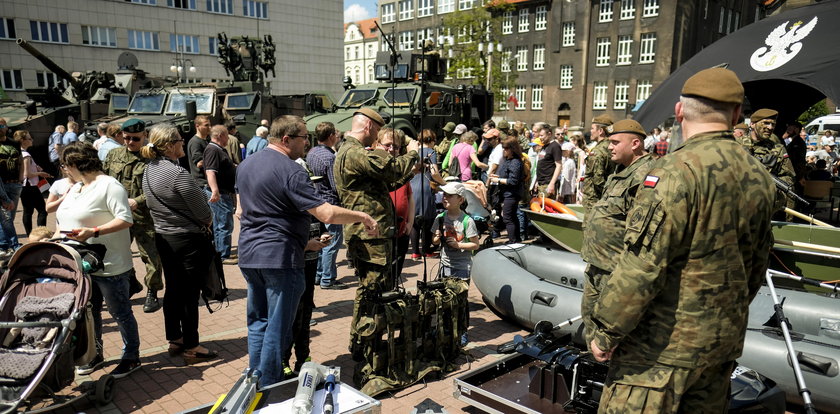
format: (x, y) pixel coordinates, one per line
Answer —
(786, 62)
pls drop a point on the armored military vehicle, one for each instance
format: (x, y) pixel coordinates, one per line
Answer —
(412, 92)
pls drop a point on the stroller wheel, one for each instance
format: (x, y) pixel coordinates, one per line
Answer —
(105, 390)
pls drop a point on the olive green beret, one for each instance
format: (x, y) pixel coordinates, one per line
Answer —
(717, 84)
(762, 114)
(133, 125)
(373, 115)
(742, 126)
(602, 120)
(503, 125)
(449, 127)
(626, 126)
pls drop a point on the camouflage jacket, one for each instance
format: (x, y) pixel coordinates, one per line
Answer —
(128, 168)
(603, 225)
(772, 153)
(363, 179)
(696, 247)
(599, 166)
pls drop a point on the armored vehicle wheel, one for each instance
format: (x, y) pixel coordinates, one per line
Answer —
(104, 392)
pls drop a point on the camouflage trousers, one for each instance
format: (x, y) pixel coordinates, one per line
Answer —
(144, 235)
(592, 285)
(372, 259)
(634, 388)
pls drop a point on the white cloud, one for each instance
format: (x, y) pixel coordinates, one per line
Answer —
(354, 13)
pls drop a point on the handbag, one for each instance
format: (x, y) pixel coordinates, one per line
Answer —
(213, 289)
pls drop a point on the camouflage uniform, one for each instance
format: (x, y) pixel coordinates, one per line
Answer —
(363, 180)
(675, 307)
(603, 231)
(772, 153)
(128, 167)
(599, 166)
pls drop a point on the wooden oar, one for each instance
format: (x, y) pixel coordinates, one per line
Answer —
(811, 220)
(819, 247)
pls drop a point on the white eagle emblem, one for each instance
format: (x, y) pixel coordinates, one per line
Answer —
(782, 46)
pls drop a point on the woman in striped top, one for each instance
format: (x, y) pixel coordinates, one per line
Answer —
(180, 211)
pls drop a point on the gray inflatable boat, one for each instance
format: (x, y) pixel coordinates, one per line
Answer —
(530, 283)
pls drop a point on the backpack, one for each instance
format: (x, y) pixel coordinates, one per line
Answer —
(454, 169)
(9, 162)
(526, 176)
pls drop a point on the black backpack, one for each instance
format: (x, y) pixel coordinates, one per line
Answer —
(454, 169)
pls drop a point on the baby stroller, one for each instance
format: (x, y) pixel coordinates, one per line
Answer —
(46, 327)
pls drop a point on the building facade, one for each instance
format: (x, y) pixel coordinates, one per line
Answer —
(361, 41)
(90, 35)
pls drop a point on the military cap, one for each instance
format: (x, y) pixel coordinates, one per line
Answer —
(602, 120)
(762, 114)
(460, 129)
(491, 133)
(133, 125)
(503, 125)
(449, 127)
(742, 126)
(717, 84)
(373, 115)
(626, 126)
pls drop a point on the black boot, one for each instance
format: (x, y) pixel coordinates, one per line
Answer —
(152, 303)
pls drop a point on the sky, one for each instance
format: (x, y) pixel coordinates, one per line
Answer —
(355, 10)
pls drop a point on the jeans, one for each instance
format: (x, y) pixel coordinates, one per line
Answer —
(114, 291)
(273, 297)
(222, 221)
(9, 238)
(327, 271)
(32, 200)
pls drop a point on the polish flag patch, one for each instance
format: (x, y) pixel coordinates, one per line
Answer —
(651, 181)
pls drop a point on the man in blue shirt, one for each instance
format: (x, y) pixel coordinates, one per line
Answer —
(257, 142)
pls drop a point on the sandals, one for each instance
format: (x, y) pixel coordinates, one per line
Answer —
(175, 348)
(193, 357)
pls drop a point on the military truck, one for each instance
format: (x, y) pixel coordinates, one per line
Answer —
(414, 98)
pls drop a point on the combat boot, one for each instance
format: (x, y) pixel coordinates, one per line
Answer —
(152, 303)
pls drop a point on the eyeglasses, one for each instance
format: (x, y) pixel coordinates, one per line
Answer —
(177, 140)
(134, 139)
(299, 136)
(390, 146)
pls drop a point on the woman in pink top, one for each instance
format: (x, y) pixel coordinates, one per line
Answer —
(465, 153)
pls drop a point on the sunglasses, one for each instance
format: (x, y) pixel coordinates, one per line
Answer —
(134, 139)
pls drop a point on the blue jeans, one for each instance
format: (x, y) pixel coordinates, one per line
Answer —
(114, 290)
(273, 297)
(222, 221)
(327, 271)
(9, 238)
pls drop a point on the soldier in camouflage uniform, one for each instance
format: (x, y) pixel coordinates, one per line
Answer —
(364, 179)
(770, 150)
(603, 225)
(673, 314)
(449, 139)
(127, 166)
(598, 163)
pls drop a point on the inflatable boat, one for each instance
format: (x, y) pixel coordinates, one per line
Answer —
(530, 283)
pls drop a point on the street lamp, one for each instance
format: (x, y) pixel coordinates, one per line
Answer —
(180, 65)
(446, 41)
(489, 47)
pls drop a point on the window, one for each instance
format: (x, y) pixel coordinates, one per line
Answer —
(7, 29)
(729, 20)
(506, 58)
(524, 22)
(504, 94)
(181, 4)
(568, 33)
(648, 48)
(49, 80)
(252, 8)
(464, 73)
(425, 7)
(642, 90)
(12, 80)
(388, 15)
(152, 2)
(465, 4)
(406, 9)
(541, 18)
(356, 52)
(536, 97)
(625, 50)
(220, 6)
(213, 46)
(539, 57)
(369, 73)
(566, 76)
(620, 100)
(651, 8)
(49, 32)
(628, 9)
(605, 13)
(520, 98)
(446, 6)
(99, 36)
(465, 35)
(521, 58)
(347, 53)
(406, 40)
(384, 44)
(357, 78)
(603, 52)
(371, 52)
(507, 23)
(423, 35)
(138, 39)
(599, 98)
(185, 43)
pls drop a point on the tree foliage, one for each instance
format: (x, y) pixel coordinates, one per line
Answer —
(817, 110)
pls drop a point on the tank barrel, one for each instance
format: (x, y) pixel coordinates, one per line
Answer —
(52, 66)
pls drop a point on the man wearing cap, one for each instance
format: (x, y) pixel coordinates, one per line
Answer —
(604, 224)
(127, 166)
(456, 139)
(672, 315)
(445, 144)
(364, 178)
(767, 148)
(598, 163)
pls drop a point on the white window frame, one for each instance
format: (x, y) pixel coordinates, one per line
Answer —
(602, 56)
(568, 34)
(49, 32)
(507, 22)
(625, 50)
(423, 35)
(406, 40)
(650, 8)
(541, 18)
(599, 95)
(506, 58)
(143, 40)
(255, 9)
(406, 9)
(503, 102)
(524, 21)
(220, 6)
(213, 46)
(465, 35)
(371, 51)
(446, 6)
(521, 101)
(466, 4)
(621, 95)
(150, 2)
(539, 57)
(11, 80)
(643, 89)
(647, 48)
(521, 59)
(383, 44)
(464, 73)
(628, 10)
(190, 4)
(389, 15)
(425, 8)
(91, 32)
(536, 97)
(605, 11)
(46, 79)
(567, 76)
(8, 26)
(184, 43)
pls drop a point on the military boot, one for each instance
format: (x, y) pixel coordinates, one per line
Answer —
(152, 303)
